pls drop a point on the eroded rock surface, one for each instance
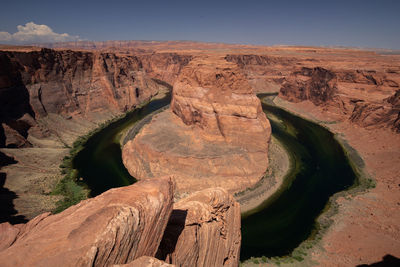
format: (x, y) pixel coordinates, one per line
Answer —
(145, 261)
(347, 85)
(386, 113)
(204, 230)
(215, 133)
(75, 83)
(317, 84)
(49, 98)
(116, 227)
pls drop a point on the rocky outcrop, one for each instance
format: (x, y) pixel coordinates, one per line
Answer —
(215, 119)
(258, 60)
(129, 226)
(116, 227)
(265, 73)
(368, 77)
(164, 66)
(74, 83)
(64, 82)
(219, 101)
(348, 85)
(386, 113)
(145, 261)
(317, 85)
(204, 230)
(49, 98)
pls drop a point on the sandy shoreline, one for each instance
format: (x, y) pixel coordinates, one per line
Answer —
(279, 165)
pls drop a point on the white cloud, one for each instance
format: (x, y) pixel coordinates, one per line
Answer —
(34, 33)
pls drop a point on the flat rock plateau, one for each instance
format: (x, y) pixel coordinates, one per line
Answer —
(50, 96)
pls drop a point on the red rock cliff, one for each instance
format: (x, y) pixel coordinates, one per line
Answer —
(215, 133)
(77, 83)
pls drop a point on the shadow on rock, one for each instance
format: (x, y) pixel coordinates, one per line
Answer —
(174, 228)
(387, 261)
(7, 210)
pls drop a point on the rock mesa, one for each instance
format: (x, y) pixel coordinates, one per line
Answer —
(214, 134)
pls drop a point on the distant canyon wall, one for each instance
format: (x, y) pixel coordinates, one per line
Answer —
(361, 88)
(74, 83)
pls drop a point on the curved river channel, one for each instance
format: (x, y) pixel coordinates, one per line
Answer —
(319, 169)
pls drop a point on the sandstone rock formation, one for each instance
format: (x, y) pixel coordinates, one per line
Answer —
(317, 85)
(74, 83)
(215, 133)
(129, 226)
(145, 261)
(49, 98)
(386, 113)
(348, 85)
(204, 230)
(116, 227)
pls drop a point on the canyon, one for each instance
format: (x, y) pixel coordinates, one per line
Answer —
(49, 97)
(215, 133)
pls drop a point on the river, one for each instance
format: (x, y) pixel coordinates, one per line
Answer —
(319, 170)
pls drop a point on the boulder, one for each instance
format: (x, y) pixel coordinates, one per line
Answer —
(204, 230)
(115, 227)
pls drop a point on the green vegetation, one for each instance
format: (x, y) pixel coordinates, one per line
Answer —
(71, 186)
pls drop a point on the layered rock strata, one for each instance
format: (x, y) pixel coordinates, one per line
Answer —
(215, 133)
(116, 227)
(204, 230)
(49, 98)
(386, 113)
(69, 83)
(130, 226)
(354, 86)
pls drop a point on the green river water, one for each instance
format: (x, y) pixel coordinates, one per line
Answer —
(319, 170)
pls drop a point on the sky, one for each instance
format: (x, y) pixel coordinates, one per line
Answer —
(352, 23)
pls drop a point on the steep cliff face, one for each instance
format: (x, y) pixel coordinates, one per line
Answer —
(384, 114)
(164, 66)
(36, 84)
(265, 73)
(317, 85)
(204, 230)
(217, 99)
(350, 85)
(215, 120)
(116, 227)
(48, 98)
(74, 83)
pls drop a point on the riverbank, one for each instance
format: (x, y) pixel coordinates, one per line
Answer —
(87, 176)
(253, 199)
(363, 227)
(30, 175)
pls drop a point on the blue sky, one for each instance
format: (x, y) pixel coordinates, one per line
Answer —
(358, 23)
